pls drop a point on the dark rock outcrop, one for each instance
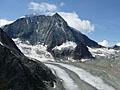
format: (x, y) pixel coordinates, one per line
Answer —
(116, 47)
(81, 51)
(63, 54)
(77, 53)
(17, 72)
(8, 42)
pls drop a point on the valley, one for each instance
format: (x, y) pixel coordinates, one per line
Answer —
(42, 52)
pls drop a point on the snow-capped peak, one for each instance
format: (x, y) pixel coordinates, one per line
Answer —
(68, 44)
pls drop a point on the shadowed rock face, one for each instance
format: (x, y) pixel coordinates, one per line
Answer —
(8, 42)
(49, 30)
(116, 47)
(81, 51)
(41, 29)
(17, 72)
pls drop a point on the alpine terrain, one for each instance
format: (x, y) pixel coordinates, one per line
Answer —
(40, 52)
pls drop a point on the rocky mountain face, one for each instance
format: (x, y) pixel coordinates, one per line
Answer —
(46, 30)
(17, 72)
(116, 47)
(71, 50)
(81, 51)
(8, 42)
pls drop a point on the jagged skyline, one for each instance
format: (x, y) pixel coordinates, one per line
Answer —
(102, 16)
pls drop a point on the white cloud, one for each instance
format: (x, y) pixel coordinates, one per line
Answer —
(118, 44)
(74, 21)
(62, 4)
(42, 7)
(104, 43)
(5, 22)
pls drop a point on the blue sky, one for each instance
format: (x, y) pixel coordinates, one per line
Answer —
(103, 14)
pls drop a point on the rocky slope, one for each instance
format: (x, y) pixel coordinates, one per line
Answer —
(116, 47)
(71, 50)
(46, 30)
(8, 42)
(81, 51)
(17, 72)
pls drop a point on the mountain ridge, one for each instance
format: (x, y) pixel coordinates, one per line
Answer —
(18, 72)
(47, 30)
(39, 23)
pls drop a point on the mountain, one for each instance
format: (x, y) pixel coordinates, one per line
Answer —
(70, 51)
(46, 30)
(81, 51)
(116, 47)
(17, 72)
(6, 41)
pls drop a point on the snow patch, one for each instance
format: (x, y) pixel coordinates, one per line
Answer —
(1, 43)
(95, 81)
(104, 43)
(38, 51)
(118, 44)
(68, 44)
(4, 22)
(22, 17)
(68, 83)
(104, 52)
